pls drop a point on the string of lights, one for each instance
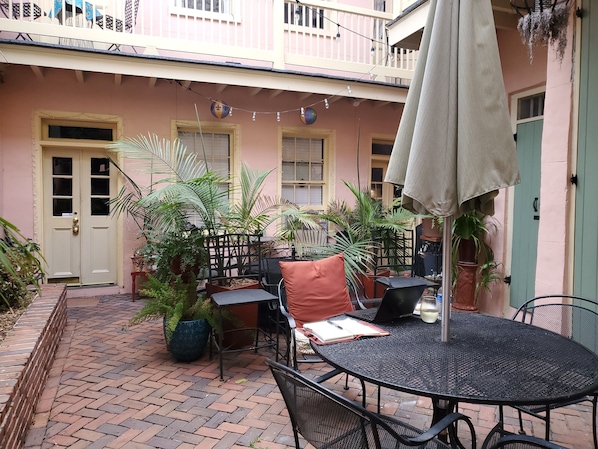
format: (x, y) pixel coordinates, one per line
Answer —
(321, 14)
(220, 109)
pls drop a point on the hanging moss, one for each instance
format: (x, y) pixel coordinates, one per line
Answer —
(544, 27)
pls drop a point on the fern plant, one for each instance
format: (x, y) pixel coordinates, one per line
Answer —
(174, 300)
(20, 266)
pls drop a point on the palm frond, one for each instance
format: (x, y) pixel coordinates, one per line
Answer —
(158, 156)
(358, 255)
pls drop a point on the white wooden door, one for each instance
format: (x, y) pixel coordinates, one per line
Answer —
(79, 233)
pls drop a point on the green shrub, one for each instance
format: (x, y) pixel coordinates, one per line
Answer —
(20, 266)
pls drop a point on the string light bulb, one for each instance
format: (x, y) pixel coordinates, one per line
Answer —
(326, 105)
(302, 112)
(230, 111)
(278, 116)
(253, 116)
(338, 31)
(349, 90)
(372, 50)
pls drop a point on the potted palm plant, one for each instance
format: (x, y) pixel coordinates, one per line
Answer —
(185, 200)
(474, 267)
(361, 231)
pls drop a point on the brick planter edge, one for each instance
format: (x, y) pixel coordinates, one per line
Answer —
(26, 356)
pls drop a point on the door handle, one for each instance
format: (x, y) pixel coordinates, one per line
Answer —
(535, 206)
(75, 224)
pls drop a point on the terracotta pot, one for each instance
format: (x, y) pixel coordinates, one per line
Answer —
(369, 284)
(464, 298)
(246, 314)
(467, 251)
(431, 229)
(189, 273)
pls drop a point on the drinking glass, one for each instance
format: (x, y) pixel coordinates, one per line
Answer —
(428, 311)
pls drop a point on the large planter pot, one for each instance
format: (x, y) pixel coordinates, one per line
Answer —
(431, 229)
(466, 251)
(369, 284)
(246, 316)
(188, 274)
(464, 299)
(189, 340)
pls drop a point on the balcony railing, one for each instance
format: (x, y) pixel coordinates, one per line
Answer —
(315, 36)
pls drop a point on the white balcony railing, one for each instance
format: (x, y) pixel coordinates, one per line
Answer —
(315, 36)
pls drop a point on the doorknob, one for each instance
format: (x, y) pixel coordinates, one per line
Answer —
(75, 224)
(535, 206)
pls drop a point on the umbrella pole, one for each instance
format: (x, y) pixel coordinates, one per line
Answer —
(447, 274)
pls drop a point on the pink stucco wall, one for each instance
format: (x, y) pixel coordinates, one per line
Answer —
(555, 237)
(146, 109)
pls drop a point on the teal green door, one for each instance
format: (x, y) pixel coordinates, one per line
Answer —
(585, 278)
(526, 213)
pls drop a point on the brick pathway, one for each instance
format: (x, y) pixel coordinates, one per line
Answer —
(112, 386)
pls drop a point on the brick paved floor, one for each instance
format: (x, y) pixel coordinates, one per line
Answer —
(112, 386)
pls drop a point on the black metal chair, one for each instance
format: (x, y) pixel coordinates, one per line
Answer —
(573, 317)
(22, 10)
(110, 23)
(393, 253)
(234, 277)
(512, 441)
(270, 315)
(328, 420)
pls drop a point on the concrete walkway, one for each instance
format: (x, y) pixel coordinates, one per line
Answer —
(114, 386)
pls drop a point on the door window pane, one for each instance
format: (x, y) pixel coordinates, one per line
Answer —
(62, 166)
(99, 186)
(61, 206)
(100, 166)
(79, 132)
(100, 206)
(62, 187)
(530, 107)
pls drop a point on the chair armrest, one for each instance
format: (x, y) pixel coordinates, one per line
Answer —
(448, 422)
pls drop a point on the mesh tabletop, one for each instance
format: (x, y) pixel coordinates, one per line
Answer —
(242, 296)
(486, 360)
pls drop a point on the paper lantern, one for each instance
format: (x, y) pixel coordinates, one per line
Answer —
(308, 116)
(219, 109)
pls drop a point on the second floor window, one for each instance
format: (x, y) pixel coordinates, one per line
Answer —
(302, 15)
(218, 6)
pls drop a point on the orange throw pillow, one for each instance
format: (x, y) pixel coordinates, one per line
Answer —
(316, 289)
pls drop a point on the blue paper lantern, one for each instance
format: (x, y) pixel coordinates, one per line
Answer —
(219, 109)
(308, 116)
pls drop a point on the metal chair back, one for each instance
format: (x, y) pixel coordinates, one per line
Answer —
(524, 442)
(573, 317)
(328, 420)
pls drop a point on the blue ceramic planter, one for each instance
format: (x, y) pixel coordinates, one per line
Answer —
(189, 340)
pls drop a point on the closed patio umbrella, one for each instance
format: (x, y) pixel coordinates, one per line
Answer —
(454, 148)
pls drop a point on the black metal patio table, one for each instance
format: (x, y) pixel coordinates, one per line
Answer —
(487, 360)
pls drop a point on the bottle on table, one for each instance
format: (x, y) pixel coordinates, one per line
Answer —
(439, 303)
